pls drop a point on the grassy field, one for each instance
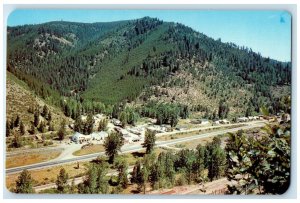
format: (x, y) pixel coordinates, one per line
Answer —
(49, 175)
(194, 143)
(196, 132)
(30, 158)
(90, 150)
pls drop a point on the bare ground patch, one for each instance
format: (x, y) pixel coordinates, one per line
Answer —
(31, 158)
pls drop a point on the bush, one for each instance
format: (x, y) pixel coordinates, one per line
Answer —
(181, 180)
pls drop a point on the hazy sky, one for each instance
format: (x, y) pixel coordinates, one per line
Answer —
(267, 32)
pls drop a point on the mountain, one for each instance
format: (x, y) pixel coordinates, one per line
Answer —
(101, 67)
(22, 103)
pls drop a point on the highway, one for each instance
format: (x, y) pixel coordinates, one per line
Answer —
(128, 149)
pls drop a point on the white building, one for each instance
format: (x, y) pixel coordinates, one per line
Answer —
(217, 122)
(242, 119)
(224, 121)
(116, 122)
(80, 138)
(99, 135)
(204, 121)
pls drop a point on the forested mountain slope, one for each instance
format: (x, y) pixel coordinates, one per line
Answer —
(97, 66)
(22, 104)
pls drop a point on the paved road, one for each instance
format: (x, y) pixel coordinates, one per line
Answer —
(133, 148)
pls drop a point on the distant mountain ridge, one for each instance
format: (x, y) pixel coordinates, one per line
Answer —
(138, 61)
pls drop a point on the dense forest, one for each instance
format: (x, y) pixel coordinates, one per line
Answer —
(99, 67)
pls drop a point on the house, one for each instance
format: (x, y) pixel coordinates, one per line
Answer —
(137, 131)
(224, 121)
(116, 122)
(157, 129)
(99, 135)
(80, 138)
(203, 121)
(242, 119)
(217, 122)
(130, 138)
(255, 117)
(251, 118)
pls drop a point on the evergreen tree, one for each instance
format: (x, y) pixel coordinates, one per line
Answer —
(102, 124)
(16, 142)
(62, 131)
(96, 180)
(22, 128)
(24, 183)
(36, 120)
(42, 127)
(17, 121)
(113, 144)
(123, 118)
(45, 111)
(73, 187)
(62, 181)
(122, 168)
(149, 142)
(7, 129)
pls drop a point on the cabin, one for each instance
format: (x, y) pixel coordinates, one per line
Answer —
(116, 122)
(99, 136)
(217, 122)
(242, 119)
(203, 121)
(224, 121)
(80, 138)
(251, 118)
(136, 130)
(256, 117)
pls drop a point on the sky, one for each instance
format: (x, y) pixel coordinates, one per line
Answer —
(266, 32)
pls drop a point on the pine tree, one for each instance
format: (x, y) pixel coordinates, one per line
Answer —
(102, 124)
(62, 181)
(24, 183)
(73, 187)
(122, 168)
(113, 144)
(62, 131)
(36, 120)
(149, 142)
(22, 128)
(7, 129)
(17, 121)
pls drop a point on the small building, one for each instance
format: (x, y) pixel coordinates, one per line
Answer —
(157, 129)
(255, 117)
(203, 121)
(251, 118)
(217, 122)
(224, 121)
(242, 119)
(116, 122)
(137, 131)
(80, 138)
(99, 135)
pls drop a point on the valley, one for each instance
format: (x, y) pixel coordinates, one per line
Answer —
(141, 106)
